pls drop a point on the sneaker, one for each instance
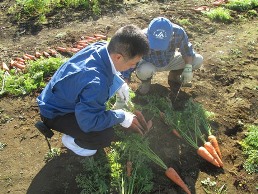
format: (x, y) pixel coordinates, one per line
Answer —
(144, 88)
(68, 142)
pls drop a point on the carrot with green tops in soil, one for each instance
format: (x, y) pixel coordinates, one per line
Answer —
(215, 144)
(172, 175)
(213, 152)
(208, 146)
(143, 147)
(205, 154)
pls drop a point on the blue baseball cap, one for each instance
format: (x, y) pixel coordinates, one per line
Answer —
(159, 33)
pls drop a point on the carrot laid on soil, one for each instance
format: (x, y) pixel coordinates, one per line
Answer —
(61, 49)
(100, 36)
(38, 54)
(173, 176)
(46, 54)
(207, 156)
(26, 57)
(5, 67)
(175, 132)
(20, 59)
(31, 56)
(215, 144)
(73, 50)
(18, 65)
(129, 168)
(52, 52)
(213, 152)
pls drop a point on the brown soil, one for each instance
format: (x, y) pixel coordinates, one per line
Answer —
(226, 85)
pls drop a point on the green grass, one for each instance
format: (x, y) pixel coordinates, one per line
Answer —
(242, 5)
(39, 9)
(107, 172)
(250, 149)
(219, 14)
(21, 83)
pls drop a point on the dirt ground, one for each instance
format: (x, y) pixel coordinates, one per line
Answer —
(227, 85)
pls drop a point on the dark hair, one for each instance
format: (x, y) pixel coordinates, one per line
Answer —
(129, 41)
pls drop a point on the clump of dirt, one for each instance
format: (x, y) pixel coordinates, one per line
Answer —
(226, 85)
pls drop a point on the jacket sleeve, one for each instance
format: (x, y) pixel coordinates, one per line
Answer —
(91, 111)
(185, 47)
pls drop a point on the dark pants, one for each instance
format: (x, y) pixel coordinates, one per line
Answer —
(67, 124)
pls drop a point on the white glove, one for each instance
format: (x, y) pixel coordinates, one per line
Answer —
(124, 93)
(128, 119)
(187, 74)
(120, 103)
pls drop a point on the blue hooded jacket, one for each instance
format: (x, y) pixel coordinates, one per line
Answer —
(82, 86)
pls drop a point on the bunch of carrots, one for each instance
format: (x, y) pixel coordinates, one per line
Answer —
(19, 63)
(143, 148)
(188, 125)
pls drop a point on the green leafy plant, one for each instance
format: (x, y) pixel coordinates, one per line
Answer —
(241, 5)
(108, 173)
(250, 149)
(219, 14)
(51, 154)
(210, 186)
(21, 83)
(94, 177)
(2, 145)
(184, 22)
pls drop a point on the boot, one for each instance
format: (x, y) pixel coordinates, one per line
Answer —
(44, 129)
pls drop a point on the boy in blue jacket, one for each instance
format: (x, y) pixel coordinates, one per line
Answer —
(73, 102)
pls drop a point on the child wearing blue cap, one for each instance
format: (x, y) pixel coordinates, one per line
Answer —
(170, 50)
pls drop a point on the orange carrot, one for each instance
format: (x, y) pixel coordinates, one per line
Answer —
(207, 156)
(175, 132)
(20, 59)
(129, 168)
(141, 119)
(46, 54)
(90, 38)
(38, 54)
(73, 50)
(82, 42)
(26, 57)
(5, 67)
(18, 65)
(79, 46)
(52, 52)
(173, 176)
(215, 144)
(100, 36)
(31, 56)
(61, 49)
(213, 152)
